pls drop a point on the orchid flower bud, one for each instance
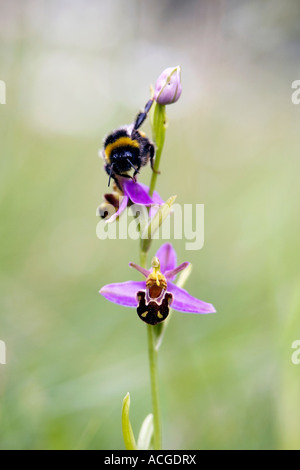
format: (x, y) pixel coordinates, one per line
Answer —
(168, 86)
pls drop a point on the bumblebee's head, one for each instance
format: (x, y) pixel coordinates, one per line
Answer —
(121, 153)
(127, 148)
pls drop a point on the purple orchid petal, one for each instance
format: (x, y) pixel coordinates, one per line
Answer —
(171, 274)
(122, 207)
(155, 197)
(157, 201)
(184, 302)
(123, 293)
(167, 257)
(143, 271)
(136, 192)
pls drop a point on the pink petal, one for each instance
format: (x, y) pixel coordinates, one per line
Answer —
(156, 199)
(184, 302)
(123, 293)
(168, 86)
(143, 271)
(167, 257)
(136, 192)
(171, 274)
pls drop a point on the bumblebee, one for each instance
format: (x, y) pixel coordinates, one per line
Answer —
(127, 148)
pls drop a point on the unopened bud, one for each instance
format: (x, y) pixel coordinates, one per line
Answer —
(168, 86)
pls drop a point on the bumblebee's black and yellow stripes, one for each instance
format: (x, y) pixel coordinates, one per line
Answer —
(127, 149)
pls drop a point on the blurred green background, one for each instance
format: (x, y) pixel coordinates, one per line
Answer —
(74, 70)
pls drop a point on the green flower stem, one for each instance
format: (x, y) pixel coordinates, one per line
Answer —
(159, 125)
(152, 352)
(154, 389)
(143, 259)
(159, 132)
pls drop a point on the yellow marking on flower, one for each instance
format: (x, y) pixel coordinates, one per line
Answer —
(121, 142)
(156, 269)
(155, 263)
(156, 281)
(159, 315)
(144, 314)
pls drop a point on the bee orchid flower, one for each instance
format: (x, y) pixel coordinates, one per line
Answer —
(129, 192)
(153, 297)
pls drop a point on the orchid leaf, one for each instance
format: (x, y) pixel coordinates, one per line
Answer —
(146, 433)
(128, 436)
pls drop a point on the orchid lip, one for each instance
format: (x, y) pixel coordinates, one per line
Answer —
(157, 300)
(151, 312)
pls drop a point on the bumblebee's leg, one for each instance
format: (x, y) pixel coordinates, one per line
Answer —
(110, 172)
(142, 116)
(152, 153)
(136, 171)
